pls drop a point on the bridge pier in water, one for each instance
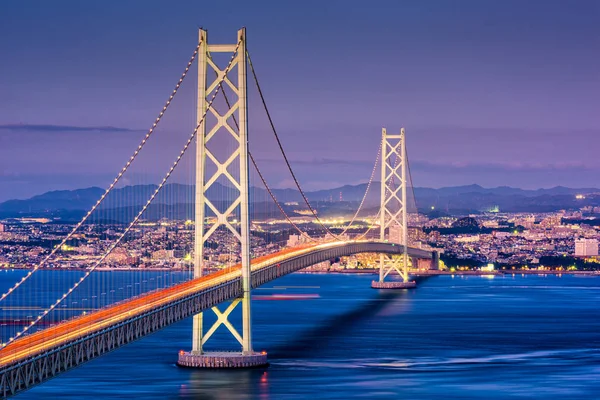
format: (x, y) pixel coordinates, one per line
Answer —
(205, 178)
(393, 210)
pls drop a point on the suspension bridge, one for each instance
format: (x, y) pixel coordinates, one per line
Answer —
(47, 345)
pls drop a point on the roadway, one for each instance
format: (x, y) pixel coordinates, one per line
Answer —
(63, 333)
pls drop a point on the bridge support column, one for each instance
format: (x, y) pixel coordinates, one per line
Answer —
(435, 261)
(232, 170)
(393, 210)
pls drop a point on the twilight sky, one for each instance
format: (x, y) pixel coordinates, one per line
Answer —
(490, 92)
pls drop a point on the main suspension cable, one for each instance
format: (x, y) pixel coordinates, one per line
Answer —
(312, 210)
(115, 181)
(287, 217)
(389, 190)
(262, 178)
(364, 234)
(138, 216)
(366, 190)
(411, 181)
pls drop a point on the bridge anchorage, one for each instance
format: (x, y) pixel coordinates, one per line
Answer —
(234, 170)
(393, 211)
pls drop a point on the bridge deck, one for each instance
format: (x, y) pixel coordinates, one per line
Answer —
(58, 334)
(31, 352)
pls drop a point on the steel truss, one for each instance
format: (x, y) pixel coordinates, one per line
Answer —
(237, 110)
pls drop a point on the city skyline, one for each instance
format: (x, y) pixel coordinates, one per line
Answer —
(485, 92)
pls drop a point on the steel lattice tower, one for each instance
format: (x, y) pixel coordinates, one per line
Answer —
(209, 77)
(393, 192)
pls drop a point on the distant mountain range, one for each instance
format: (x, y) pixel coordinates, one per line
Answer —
(176, 200)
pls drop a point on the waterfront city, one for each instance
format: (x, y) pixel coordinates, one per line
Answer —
(560, 241)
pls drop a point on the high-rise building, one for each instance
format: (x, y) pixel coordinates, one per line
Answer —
(586, 247)
(395, 234)
(295, 240)
(2, 228)
(552, 221)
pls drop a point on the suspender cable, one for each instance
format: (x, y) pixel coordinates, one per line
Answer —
(137, 217)
(115, 181)
(411, 182)
(391, 184)
(366, 191)
(262, 178)
(262, 98)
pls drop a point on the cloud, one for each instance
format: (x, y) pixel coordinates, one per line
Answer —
(313, 185)
(63, 128)
(315, 162)
(515, 166)
(526, 175)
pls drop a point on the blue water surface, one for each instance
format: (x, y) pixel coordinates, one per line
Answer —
(513, 337)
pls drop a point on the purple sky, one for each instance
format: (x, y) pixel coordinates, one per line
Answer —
(490, 92)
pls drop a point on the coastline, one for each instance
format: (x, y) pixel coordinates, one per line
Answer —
(467, 273)
(365, 271)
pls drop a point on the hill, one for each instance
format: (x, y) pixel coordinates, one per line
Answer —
(457, 200)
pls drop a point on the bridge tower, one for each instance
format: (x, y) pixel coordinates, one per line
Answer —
(234, 171)
(393, 210)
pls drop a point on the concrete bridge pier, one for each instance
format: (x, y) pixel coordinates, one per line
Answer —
(394, 285)
(435, 261)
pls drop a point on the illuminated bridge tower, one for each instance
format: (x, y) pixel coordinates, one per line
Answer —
(222, 155)
(393, 210)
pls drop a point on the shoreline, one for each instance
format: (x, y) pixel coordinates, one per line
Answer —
(466, 273)
(365, 271)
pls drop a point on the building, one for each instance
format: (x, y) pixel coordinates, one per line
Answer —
(117, 256)
(552, 221)
(395, 234)
(500, 234)
(162, 255)
(296, 240)
(488, 268)
(467, 239)
(2, 228)
(586, 247)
